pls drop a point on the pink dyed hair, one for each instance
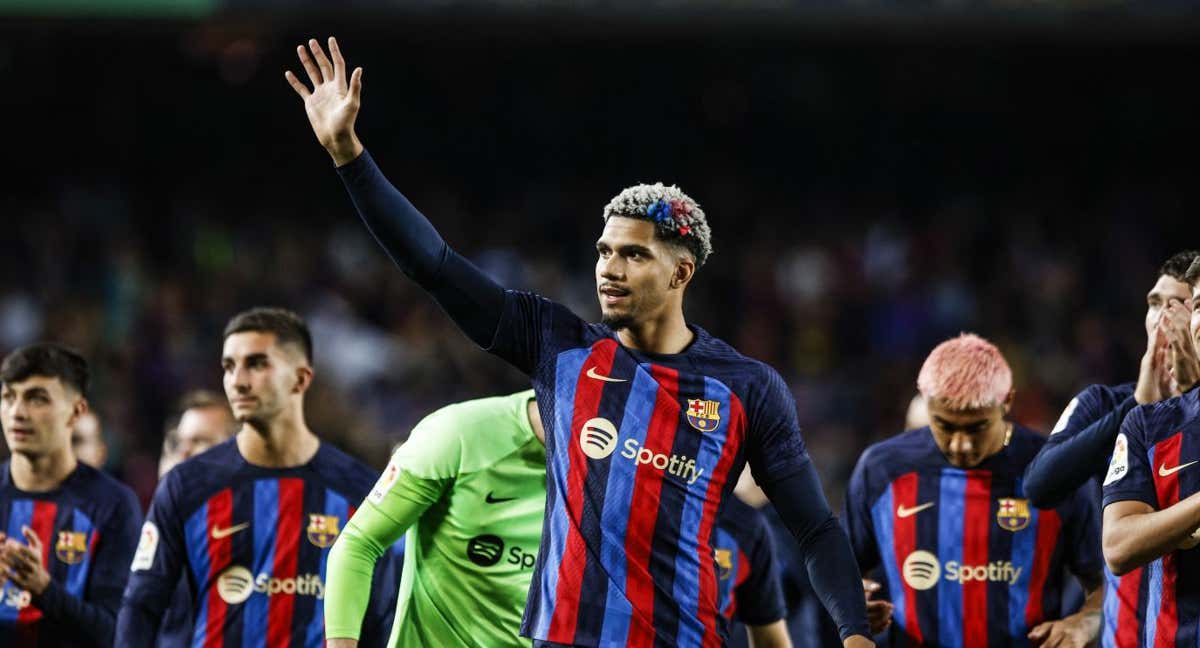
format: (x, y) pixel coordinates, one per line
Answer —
(966, 372)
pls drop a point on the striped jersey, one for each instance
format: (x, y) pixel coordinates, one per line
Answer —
(640, 451)
(1159, 603)
(960, 552)
(749, 589)
(251, 543)
(88, 527)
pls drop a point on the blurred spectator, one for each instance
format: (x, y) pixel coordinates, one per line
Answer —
(87, 441)
(203, 422)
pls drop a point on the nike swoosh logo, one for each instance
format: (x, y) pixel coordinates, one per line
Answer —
(909, 512)
(218, 533)
(1163, 471)
(591, 373)
(497, 500)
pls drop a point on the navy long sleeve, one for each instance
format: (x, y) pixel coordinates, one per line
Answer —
(468, 296)
(1080, 445)
(802, 506)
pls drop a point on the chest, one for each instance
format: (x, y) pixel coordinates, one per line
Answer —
(68, 537)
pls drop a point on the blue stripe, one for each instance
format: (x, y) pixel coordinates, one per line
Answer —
(618, 501)
(1153, 600)
(20, 514)
(566, 376)
(1108, 633)
(725, 585)
(196, 539)
(266, 515)
(881, 514)
(687, 565)
(338, 507)
(77, 574)
(1024, 544)
(952, 508)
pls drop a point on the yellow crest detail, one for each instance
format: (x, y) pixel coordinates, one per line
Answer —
(724, 563)
(1013, 514)
(704, 415)
(322, 529)
(71, 547)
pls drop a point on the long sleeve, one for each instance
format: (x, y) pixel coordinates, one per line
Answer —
(95, 615)
(472, 299)
(155, 570)
(802, 506)
(1078, 448)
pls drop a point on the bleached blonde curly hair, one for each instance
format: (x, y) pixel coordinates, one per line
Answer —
(678, 218)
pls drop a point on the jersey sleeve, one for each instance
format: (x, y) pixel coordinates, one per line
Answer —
(1130, 475)
(857, 517)
(95, 616)
(774, 447)
(760, 597)
(155, 569)
(1080, 443)
(533, 328)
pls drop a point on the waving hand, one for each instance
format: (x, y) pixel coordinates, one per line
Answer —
(332, 104)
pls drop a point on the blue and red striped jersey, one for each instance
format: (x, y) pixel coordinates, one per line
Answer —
(640, 451)
(1158, 604)
(251, 543)
(88, 527)
(961, 553)
(749, 589)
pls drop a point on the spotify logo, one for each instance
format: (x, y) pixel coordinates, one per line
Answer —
(235, 584)
(922, 570)
(485, 550)
(598, 438)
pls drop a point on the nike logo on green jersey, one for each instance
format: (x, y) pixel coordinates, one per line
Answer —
(497, 500)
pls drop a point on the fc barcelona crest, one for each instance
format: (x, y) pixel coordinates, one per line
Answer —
(704, 415)
(1013, 514)
(724, 563)
(71, 546)
(322, 529)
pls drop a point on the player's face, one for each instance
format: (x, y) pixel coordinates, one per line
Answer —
(633, 272)
(259, 377)
(201, 428)
(38, 414)
(969, 436)
(1165, 290)
(87, 441)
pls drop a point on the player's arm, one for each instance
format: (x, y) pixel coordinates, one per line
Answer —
(470, 297)
(155, 570)
(861, 529)
(1080, 441)
(771, 635)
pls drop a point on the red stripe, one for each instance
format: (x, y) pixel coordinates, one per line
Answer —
(1128, 620)
(734, 435)
(975, 552)
(647, 487)
(1166, 454)
(904, 541)
(42, 523)
(574, 558)
(220, 552)
(743, 572)
(1048, 526)
(288, 530)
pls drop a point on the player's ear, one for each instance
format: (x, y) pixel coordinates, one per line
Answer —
(78, 409)
(1008, 401)
(685, 269)
(304, 377)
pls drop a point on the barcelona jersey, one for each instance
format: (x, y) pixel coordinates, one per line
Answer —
(640, 452)
(961, 553)
(748, 582)
(251, 544)
(88, 527)
(1153, 462)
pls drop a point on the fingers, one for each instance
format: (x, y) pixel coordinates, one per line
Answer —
(1040, 631)
(322, 61)
(356, 86)
(32, 538)
(314, 74)
(300, 88)
(339, 63)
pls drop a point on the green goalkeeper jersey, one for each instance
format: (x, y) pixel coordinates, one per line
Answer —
(469, 487)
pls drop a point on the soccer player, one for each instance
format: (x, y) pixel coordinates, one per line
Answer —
(942, 511)
(646, 416)
(1151, 505)
(204, 420)
(70, 528)
(1081, 443)
(250, 521)
(87, 440)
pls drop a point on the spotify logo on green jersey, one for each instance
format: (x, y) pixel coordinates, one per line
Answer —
(487, 550)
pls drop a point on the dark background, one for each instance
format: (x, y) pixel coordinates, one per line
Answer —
(877, 177)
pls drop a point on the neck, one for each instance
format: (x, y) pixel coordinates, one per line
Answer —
(666, 335)
(285, 443)
(42, 473)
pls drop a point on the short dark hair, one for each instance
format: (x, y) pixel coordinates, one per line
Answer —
(288, 327)
(1179, 264)
(48, 360)
(1193, 273)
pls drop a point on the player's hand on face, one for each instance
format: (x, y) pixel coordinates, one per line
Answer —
(332, 103)
(1154, 379)
(23, 563)
(879, 612)
(1175, 323)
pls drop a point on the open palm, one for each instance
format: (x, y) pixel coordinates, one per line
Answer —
(332, 104)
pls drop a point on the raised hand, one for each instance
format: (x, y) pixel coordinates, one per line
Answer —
(332, 104)
(1175, 326)
(1154, 378)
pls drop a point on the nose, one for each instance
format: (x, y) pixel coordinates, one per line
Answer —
(241, 379)
(611, 268)
(960, 444)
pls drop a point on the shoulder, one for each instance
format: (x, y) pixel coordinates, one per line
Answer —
(755, 382)
(885, 460)
(343, 473)
(1153, 422)
(104, 492)
(741, 519)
